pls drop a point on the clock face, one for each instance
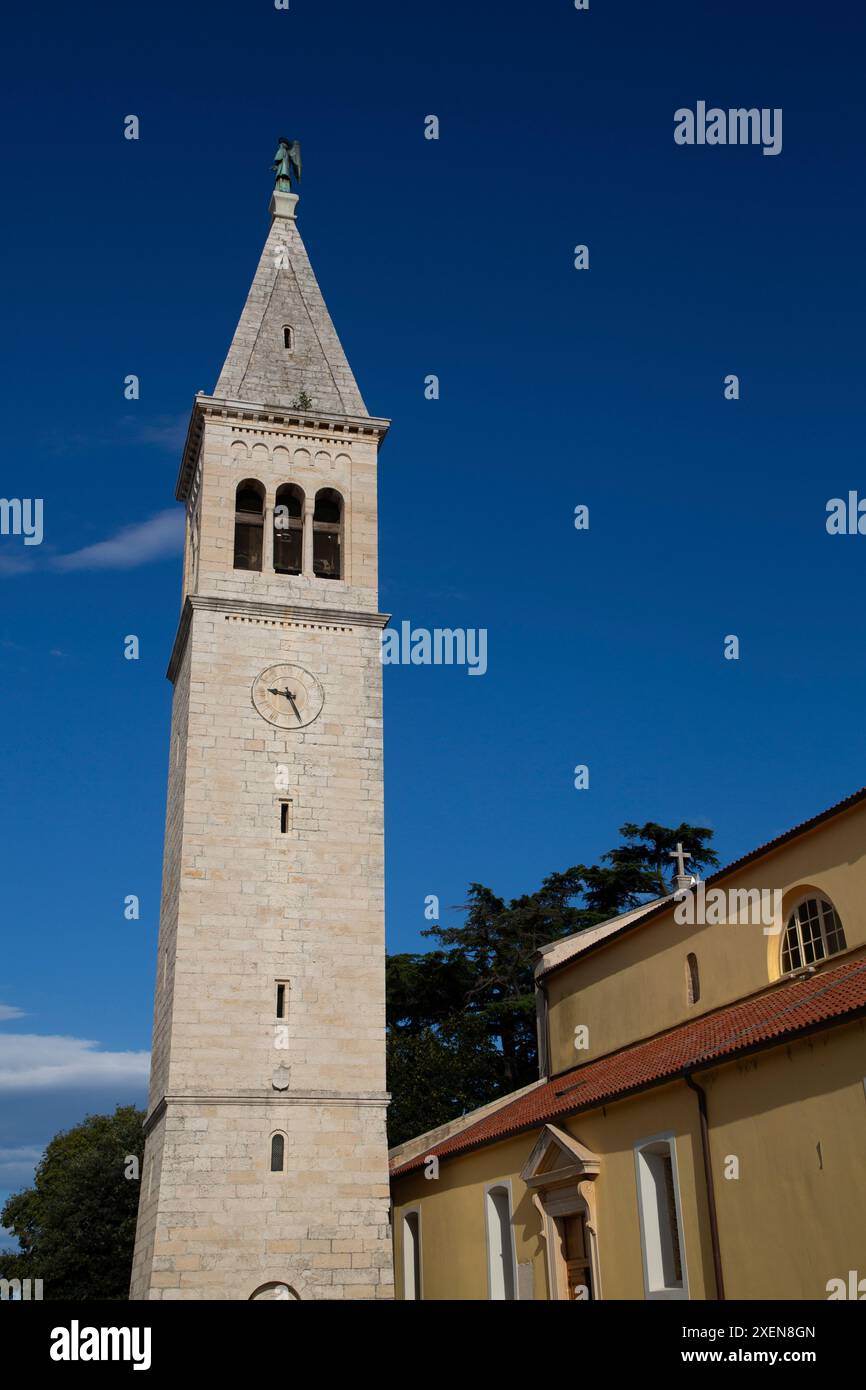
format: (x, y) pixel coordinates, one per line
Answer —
(288, 696)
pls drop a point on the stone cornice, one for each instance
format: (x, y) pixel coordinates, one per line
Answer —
(180, 640)
(258, 608)
(365, 1098)
(212, 408)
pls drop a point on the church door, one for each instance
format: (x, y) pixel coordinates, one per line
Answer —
(577, 1261)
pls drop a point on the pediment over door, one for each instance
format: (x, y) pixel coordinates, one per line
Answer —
(560, 1173)
(557, 1159)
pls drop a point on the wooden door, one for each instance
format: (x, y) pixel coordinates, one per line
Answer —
(575, 1245)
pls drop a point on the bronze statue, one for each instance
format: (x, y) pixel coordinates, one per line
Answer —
(286, 160)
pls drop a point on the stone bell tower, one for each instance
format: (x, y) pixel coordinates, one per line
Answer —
(265, 1169)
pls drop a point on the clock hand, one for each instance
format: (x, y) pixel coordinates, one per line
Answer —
(289, 696)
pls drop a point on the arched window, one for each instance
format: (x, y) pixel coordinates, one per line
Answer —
(278, 1153)
(813, 933)
(249, 524)
(289, 530)
(288, 338)
(693, 980)
(411, 1256)
(328, 534)
(500, 1249)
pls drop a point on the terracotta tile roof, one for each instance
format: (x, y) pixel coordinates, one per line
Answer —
(778, 1014)
(655, 910)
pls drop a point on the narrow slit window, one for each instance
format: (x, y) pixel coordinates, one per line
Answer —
(288, 339)
(693, 979)
(285, 817)
(278, 1153)
(281, 1000)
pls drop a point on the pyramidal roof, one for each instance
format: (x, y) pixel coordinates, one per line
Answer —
(285, 294)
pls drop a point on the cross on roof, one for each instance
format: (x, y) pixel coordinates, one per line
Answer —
(680, 855)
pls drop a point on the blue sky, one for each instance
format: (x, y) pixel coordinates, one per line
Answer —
(558, 387)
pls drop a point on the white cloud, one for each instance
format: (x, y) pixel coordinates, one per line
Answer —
(139, 544)
(49, 1084)
(134, 545)
(35, 1062)
(10, 1011)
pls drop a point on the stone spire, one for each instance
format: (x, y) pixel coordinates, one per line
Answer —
(260, 366)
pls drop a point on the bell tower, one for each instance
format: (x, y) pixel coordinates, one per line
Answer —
(265, 1168)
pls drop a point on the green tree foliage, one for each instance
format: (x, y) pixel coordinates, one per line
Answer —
(76, 1224)
(438, 1073)
(461, 1018)
(648, 849)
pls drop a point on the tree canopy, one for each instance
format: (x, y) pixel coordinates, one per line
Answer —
(76, 1224)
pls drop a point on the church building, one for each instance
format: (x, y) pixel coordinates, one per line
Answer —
(698, 1127)
(265, 1168)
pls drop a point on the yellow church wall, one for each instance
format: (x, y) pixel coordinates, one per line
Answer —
(635, 987)
(787, 1224)
(796, 1216)
(452, 1214)
(453, 1223)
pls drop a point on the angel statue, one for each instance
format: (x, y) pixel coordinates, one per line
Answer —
(287, 159)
